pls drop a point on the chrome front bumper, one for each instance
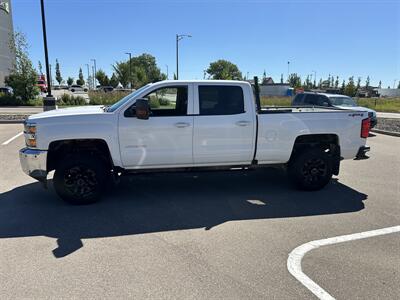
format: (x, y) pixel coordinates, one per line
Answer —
(33, 163)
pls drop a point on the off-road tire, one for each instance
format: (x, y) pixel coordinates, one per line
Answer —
(80, 179)
(311, 169)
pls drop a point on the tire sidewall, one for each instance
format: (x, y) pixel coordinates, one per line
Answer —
(296, 167)
(87, 161)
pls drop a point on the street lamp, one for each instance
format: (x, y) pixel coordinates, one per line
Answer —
(315, 78)
(130, 68)
(288, 67)
(95, 72)
(178, 38)
(49, 102)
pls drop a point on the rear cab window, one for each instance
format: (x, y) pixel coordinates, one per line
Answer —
(220, 100)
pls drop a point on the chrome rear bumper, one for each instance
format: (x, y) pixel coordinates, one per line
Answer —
(33, 163)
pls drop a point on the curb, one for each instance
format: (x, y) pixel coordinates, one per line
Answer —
(391, 133)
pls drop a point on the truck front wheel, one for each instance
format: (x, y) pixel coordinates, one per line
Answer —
(80, 179)
(311, 169)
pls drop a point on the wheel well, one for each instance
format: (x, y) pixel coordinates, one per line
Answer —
(60, 149)
(327, 142)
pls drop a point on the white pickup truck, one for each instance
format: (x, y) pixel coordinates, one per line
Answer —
(188, 125)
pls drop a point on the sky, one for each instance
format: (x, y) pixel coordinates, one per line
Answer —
(342, 38)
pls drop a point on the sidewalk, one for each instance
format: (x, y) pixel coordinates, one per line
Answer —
(388, 115)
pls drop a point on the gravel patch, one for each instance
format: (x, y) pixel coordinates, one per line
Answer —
(388, 124)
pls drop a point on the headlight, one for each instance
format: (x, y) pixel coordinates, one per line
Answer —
(30, 134)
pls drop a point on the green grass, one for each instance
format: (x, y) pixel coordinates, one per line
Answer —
(276, 101)
(381, 104)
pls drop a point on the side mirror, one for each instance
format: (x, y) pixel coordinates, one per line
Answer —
(142, 109)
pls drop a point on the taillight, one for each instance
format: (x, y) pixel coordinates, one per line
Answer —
(365, 126)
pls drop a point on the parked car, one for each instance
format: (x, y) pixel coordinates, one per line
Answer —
(6, 90)
(184, 126)
(77, 88)
(105, 89)
(332, 100)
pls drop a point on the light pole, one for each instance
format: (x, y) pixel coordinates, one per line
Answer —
(88, 74)
(178, 38)
(95, 71)
(130, 68)
(93, 82)
(49, 102)
(315, 78)
(288, 68)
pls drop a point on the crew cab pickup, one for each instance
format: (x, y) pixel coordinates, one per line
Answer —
(184, 126)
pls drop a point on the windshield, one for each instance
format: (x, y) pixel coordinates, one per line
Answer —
(342, 101)
(121, 102)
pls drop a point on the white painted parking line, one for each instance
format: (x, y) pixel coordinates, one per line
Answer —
(295, 257)
(13, 138)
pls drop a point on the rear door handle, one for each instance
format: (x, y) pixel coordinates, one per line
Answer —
(182, 124)
(243, 123)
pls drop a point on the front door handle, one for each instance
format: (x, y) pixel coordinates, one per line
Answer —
(243, 123)
(182, 124)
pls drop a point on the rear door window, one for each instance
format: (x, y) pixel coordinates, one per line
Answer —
(221, 100)
(298, 99)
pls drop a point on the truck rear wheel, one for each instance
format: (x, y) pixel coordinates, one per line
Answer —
(80, 179)
(311, 169)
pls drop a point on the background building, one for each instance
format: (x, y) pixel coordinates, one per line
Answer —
(7, 58)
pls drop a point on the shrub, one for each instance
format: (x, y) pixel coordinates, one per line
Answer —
(164, 102)
(154, 102)
(71, 100)
(103, 98)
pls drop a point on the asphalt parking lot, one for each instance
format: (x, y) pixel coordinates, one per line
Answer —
(203, 235)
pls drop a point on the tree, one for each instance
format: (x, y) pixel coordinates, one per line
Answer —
(58, 73)
(350, 89)
(343, 87)
(337, 82)
(380, 84)
(102, 78)
(80, 80)
(223, 69)
(144, 70)
(264, 76)
(294, 80)
(281, 78)
(40, 68)
(70, 81)
(367, 82)
(23, 76)
(358, 83)
(398, 86)
(114, 80)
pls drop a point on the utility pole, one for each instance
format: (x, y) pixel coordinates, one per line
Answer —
(95, 72)
(88, 74)
(288, 68)
(178, 38)
(130, 68)
(49, 102)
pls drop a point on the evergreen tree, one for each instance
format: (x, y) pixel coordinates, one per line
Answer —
(40, 68)
(367, 82)
(337, 82)
(350, 89)
(58, 73)
(281, 78)
(70, 81)
(380, 84)
(80, 80)
(358, 82)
